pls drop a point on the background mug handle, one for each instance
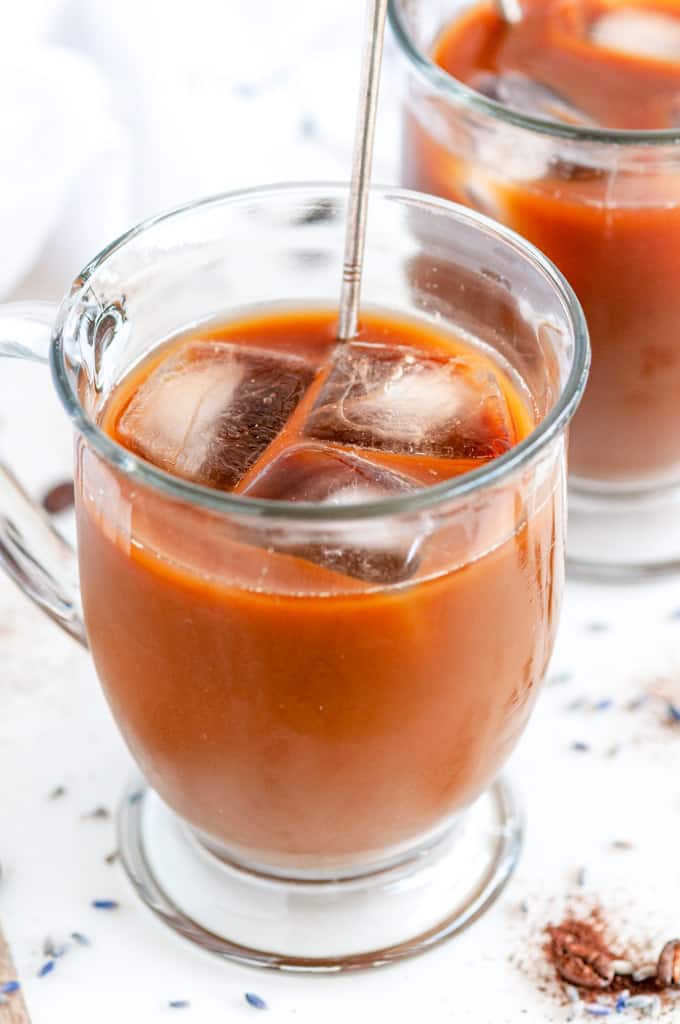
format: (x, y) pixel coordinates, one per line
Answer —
(32, 551)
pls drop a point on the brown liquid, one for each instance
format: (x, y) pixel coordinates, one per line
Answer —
(296, 709)
(614, 234)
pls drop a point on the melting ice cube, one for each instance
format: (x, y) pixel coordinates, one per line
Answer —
(639, 32)
(404, 401)
(527, 96)
(207, 412)
(374, 550)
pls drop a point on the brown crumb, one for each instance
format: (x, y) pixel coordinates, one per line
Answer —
(59, 498)
(584, 955)
(580, 954)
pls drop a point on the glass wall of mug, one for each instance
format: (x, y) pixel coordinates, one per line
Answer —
(312, 730)
(604, 205)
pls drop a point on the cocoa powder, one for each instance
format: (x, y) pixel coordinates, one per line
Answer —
(585, 954)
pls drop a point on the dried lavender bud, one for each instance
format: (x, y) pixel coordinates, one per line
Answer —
(102, 813)
(256, 1001)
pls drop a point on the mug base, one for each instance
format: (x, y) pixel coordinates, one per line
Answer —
(321, 926)
(622, 535)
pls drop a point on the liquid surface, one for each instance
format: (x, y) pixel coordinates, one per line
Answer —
(585, 63)
(275, 409)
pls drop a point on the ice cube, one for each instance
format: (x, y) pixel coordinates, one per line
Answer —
(527, 96)
(404, 401)
(371, 549)
(639, 32)
(207, 412)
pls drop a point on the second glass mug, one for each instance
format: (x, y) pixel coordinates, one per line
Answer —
(324, 759)
(605, 206)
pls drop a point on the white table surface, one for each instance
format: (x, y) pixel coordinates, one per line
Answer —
(55, 729)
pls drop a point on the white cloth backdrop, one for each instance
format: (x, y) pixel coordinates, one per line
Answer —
(115, 109)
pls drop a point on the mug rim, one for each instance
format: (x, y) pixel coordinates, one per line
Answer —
(215, 500)
(466, 96)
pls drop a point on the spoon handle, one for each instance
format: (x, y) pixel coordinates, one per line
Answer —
(361, 170)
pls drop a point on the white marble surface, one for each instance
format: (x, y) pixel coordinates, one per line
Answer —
(55, 728)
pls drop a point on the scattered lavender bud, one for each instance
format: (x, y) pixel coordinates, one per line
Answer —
(598, 1010)
(580, 746)
(604, 705)
(46, 968)
(560, 678)
(7, 987)
(524, 907)
(135, 797)
(582, 876)
(309, 129)
(622, 1001)
(178, 1004)
(256, 1001)
(53, 950)
(577, 704)
(56, 793)
(245, 90)
(101, 813)
(80, 939)
(105, 904)
(637, 702)
(673, 711)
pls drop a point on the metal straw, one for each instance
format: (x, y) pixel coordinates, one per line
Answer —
(355, 238)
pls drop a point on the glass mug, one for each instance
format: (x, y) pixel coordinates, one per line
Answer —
(605, 206)
(321, 762)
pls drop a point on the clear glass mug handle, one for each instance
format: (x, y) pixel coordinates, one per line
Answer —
(32, 552)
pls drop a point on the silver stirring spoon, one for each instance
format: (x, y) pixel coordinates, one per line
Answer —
(355, 238)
